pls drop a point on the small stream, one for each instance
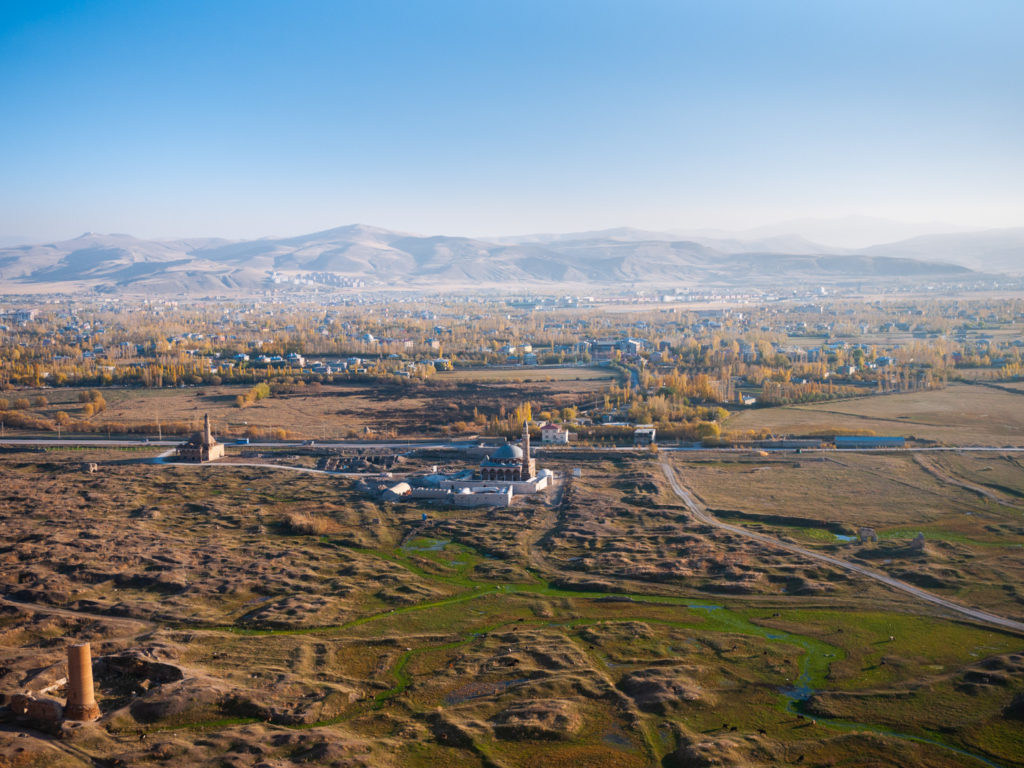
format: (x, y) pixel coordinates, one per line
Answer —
(813, 670)
(813, 666)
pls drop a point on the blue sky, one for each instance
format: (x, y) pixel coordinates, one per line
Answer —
(489, 117)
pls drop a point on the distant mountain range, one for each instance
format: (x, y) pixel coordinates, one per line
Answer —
(388, 259)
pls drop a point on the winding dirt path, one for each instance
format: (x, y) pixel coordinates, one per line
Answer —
(943, 476)
(133, 626)
(705, 517)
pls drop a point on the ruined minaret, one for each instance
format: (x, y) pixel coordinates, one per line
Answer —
(526, 451)
(81, 703)
(207, 433)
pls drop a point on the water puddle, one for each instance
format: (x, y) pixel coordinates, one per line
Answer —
(617, 738)
(426, 545)
(260, 600)
(481, 690)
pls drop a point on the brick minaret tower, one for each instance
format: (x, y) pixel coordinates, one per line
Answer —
(529, 466)
(81, 703)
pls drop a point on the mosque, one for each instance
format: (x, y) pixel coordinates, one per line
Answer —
(201, 446)
(510, 463)
(508, 471)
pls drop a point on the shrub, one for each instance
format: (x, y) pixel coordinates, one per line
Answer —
(305, 523)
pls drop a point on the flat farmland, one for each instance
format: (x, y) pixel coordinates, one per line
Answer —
(328, 411)
(869, 489)
(960, 414)
(531, 374)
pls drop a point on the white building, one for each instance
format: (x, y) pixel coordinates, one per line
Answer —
(552, 433)
(529, 486)
(483, 497)
(644, 435)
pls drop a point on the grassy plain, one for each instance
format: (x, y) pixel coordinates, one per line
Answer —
(960, 414)
(334, 410)
(973, 543)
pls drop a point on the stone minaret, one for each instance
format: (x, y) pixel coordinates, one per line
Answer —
(81, 703)
(207, 433)
(526, 450)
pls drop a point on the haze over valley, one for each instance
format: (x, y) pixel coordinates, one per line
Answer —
(380, 258)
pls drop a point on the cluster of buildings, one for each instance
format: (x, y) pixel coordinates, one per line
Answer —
(506, 472)
(332, 279)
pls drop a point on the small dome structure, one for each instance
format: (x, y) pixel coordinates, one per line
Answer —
(510, 463)
(507, 452)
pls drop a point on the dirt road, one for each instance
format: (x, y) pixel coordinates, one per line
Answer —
(705, 517)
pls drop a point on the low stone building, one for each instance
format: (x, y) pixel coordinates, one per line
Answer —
(201, 446)
(483, 497)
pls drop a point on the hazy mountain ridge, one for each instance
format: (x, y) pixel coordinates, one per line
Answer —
(994, 250)
(397, 259)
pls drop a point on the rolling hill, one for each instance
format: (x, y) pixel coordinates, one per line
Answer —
(388, 259)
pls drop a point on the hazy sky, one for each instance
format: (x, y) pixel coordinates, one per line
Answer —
(484, 117)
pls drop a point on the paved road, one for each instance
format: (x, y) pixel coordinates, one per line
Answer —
(104, 442)
(705, 517)
(414, 444)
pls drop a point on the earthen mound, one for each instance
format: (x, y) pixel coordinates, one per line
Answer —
(621, 630)
(133, 670)
(712, 753)
(194, 698)
(542, 719)
(663, 690)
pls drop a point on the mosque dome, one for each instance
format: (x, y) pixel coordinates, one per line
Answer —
(507, 452)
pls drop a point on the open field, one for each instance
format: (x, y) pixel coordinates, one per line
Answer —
(328, 411)
(597, 627)
(960, 414)
(1000, 476)
(529, 374)
(973, 543)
